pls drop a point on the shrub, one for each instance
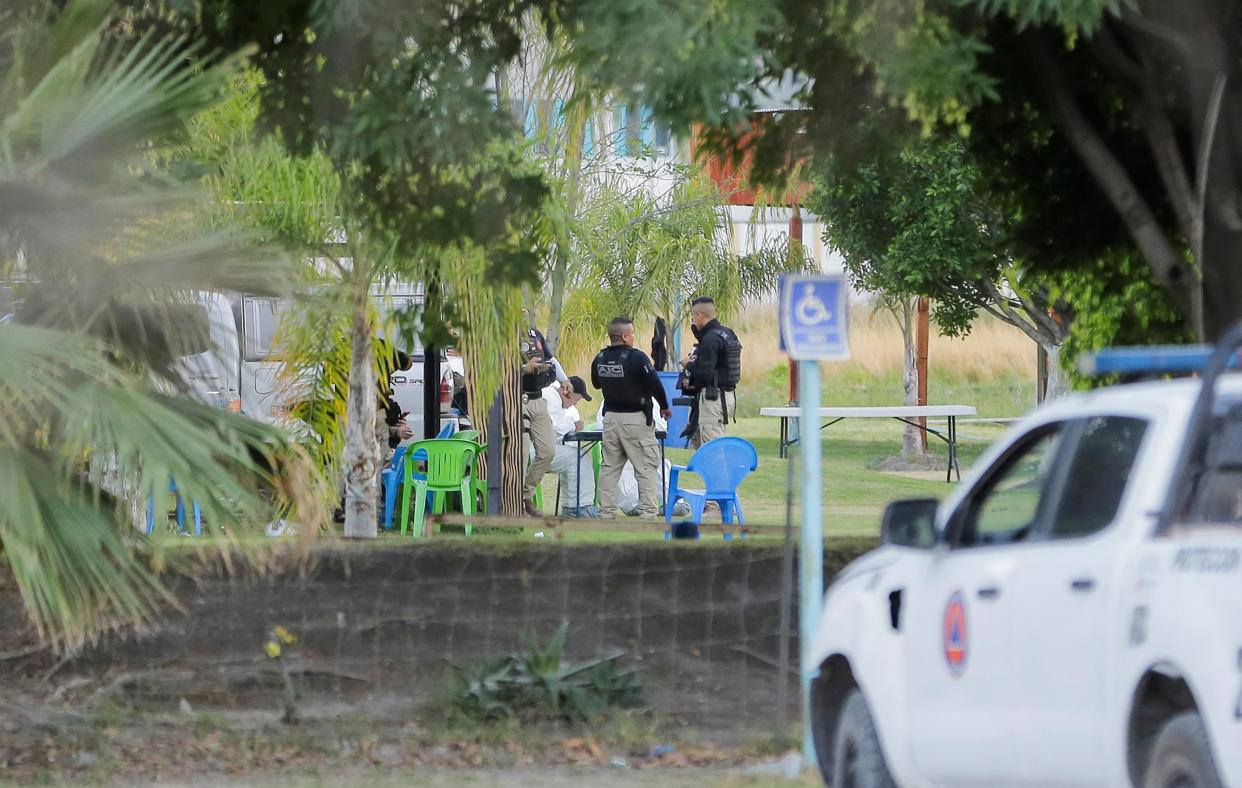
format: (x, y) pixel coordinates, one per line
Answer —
(537, 684)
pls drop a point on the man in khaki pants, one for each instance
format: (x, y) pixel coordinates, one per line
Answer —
(629, 383)
(539, 371)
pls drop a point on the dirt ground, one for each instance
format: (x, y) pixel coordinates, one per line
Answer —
(97, 742)
(548, 777)
(197, 701)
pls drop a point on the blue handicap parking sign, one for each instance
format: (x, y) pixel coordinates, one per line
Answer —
(814, 317)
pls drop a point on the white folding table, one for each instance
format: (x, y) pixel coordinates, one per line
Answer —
(903, 413)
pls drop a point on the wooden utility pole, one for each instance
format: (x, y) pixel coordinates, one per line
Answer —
(795, 244)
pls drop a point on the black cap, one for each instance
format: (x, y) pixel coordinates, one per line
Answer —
(578, 385)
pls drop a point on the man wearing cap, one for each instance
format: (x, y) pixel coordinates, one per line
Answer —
(577, 477)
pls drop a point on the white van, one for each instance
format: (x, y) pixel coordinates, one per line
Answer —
(254, 327)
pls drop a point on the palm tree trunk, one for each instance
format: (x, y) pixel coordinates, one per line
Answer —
(361, 459)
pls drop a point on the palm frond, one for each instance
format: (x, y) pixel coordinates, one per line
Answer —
(76, 572)
(107, 255)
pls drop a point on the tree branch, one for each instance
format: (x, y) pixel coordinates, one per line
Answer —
(1027, 322)
(1169, 270)
(1206, 142)
(1155, 123)
(1176, 38)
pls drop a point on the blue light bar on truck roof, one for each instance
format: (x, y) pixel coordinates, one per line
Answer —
(1148, 359)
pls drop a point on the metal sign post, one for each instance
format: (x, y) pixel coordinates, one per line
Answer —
(814, 325)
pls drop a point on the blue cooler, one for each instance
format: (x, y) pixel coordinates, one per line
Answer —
(681, 413)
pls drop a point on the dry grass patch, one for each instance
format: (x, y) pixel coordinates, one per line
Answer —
(992, 348)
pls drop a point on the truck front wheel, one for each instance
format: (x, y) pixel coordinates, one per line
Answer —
(1182, 757)
(857, 761)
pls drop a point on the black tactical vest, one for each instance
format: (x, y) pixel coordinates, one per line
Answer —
(622, 386)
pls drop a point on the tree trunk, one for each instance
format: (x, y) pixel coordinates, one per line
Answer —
(505, 467)
(912, 441)
(1056, 385)
(1222, 277)
(921, 327)
(513, 463)
(361, 459)
(1169, 269)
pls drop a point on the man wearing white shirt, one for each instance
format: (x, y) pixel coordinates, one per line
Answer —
(562, 399)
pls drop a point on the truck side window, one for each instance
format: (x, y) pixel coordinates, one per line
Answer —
(1097, 475)
(1006, 508)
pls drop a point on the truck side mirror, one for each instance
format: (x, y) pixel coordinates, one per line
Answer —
(910, 523)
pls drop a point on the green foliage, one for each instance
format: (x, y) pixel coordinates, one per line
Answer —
(397, 97)
(1116, 304)
(1072, 15)
(102, 255)
(681, 59)
(645, 255)
(536, 684)
(1084, 122)
(913, 225)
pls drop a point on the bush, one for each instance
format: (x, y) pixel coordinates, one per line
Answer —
(537, 685)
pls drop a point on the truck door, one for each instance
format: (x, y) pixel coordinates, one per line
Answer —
(260, 321)
(963, 684)
(1061, 586)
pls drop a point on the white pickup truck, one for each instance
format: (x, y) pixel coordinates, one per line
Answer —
(1071, 615)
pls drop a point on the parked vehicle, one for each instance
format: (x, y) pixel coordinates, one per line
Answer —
(1070, 615)
(242, 370)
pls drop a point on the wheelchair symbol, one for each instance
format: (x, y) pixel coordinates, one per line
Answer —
(810, 309)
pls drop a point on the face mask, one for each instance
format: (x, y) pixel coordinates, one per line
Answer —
(698, 332)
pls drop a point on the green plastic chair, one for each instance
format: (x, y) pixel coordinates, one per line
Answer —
(450, 468)
(479, 484)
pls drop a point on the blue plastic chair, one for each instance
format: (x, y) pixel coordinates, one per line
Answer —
(198, 513)
(445, 432)
(722, 464)
(391, 479)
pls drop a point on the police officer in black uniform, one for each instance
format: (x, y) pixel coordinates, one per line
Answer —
(629, 383)
(707, 367)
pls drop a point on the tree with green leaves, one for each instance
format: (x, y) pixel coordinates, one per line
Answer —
(1106, 130)
(912, 224)
(101, 260)
(433, 184)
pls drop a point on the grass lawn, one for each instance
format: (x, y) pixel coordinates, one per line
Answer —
(991, 369)
(853, 495)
